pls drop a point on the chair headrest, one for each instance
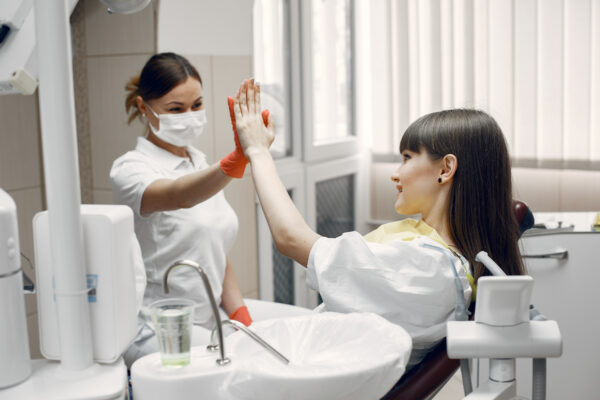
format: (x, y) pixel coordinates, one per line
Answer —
(524, 216)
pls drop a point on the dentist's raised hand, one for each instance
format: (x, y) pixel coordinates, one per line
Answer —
(254, 136)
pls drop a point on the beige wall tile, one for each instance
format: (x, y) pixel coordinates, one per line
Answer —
(34, 336)
(110, 134)
(20, 162)
(580, 190)
(228, 73)
(108, 34)
(103, 196)
(539, 188)
(244, 254)
(206, 142)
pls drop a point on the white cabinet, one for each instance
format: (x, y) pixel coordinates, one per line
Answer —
(566, 290)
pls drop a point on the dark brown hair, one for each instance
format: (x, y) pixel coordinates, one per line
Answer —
(480, 210)
(161, 73)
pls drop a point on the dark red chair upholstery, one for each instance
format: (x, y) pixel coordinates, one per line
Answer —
(427, 378)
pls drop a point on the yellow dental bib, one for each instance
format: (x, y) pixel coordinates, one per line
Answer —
(409, 229)
(406, 229)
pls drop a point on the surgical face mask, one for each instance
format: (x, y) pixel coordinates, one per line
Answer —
(179, 129)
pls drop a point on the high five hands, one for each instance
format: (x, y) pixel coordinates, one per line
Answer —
(234, 164)
(255, 129)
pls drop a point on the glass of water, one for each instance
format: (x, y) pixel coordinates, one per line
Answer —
(173, 325)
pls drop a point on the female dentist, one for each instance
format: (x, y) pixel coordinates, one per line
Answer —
(176, 196)
(455, 172)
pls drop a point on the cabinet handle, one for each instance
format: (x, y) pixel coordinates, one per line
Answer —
(559, 255)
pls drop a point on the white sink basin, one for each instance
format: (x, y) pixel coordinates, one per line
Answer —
(332, 356)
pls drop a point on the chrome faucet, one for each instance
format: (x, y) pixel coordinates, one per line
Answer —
(238, 326)
(187, 263)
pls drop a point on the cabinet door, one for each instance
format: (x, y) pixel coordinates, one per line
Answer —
(566, 290)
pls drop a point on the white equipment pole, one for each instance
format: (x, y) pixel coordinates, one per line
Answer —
(59, 143)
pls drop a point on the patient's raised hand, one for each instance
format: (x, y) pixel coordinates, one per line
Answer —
(250, 122)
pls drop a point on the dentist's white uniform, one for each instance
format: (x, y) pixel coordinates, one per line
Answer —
(391, 273)
(204, 233)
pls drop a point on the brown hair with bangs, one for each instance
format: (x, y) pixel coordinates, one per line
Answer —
(161, 73)
(480, 209)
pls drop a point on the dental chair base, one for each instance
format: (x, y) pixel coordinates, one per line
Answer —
(49, 381)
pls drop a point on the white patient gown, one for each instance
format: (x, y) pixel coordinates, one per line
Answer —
(391, 272)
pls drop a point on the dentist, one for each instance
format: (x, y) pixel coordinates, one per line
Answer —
(455, 173)
(179, 207)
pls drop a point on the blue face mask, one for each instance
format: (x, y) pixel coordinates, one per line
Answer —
(179, 129)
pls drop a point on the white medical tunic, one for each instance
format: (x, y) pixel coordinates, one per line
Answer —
(203, 233)
(393, 273)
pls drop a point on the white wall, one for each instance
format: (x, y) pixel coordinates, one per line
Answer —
(204, 27)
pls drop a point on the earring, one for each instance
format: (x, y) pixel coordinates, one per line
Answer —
(439, 180)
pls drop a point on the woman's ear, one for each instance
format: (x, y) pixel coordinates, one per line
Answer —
(449, 164)
(139, 102)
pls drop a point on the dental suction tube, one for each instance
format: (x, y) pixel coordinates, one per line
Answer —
(483, 258)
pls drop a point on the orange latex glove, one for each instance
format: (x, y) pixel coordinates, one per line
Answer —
(234, 164)
(242, 315)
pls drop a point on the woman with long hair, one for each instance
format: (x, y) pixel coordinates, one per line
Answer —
(455, 173)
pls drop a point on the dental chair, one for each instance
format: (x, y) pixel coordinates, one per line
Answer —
(423, 381)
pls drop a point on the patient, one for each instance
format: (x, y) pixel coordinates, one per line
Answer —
(455, 173)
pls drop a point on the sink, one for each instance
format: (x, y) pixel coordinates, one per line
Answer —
(332, 356)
